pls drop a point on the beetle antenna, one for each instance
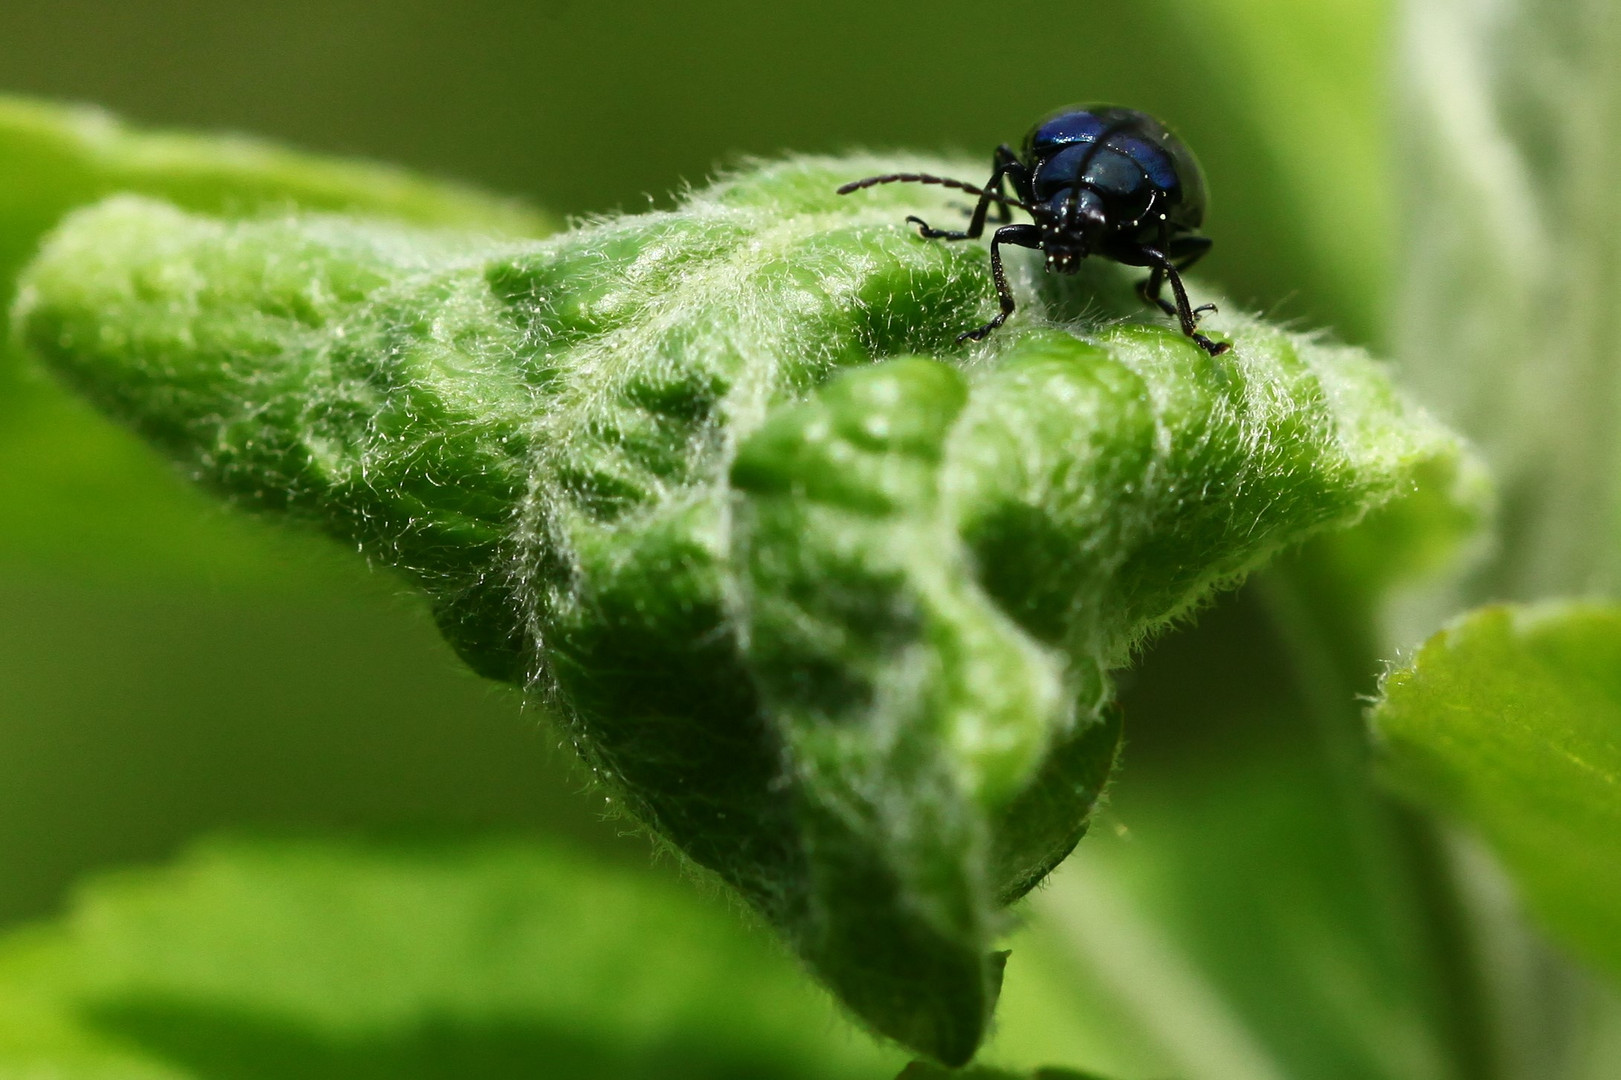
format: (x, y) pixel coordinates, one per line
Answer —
(925, 178)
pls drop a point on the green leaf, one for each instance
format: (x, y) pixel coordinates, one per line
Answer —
(1510, 719)
(303, 959)
(826, 599)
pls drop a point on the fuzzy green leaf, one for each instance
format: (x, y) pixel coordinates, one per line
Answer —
(297, 959)
(1511, 720)
(827, 600)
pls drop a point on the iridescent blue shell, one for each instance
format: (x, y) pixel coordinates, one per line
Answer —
(1136, 163)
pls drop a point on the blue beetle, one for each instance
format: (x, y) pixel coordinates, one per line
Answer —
(1096, 180)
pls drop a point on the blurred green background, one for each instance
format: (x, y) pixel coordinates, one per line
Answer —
(168, 668)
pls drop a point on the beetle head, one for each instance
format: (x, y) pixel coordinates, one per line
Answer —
(1072, 227)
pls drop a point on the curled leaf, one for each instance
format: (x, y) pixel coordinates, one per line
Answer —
(825, 599)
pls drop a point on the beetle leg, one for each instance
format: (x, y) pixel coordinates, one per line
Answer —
(1185, 313)
(1024, 236)
(1149, 289)
(1184, 251)
(1005, 162)
(929, 232)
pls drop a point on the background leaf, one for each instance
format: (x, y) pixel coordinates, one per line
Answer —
(1510, 719)
(303, 959)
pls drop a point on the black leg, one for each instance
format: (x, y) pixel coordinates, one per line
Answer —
(1149, 289)
(1006, 162)
(1023, 236)
(1186, 314)
(1183, 252)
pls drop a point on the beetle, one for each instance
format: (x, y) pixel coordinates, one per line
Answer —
(1096, 180)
